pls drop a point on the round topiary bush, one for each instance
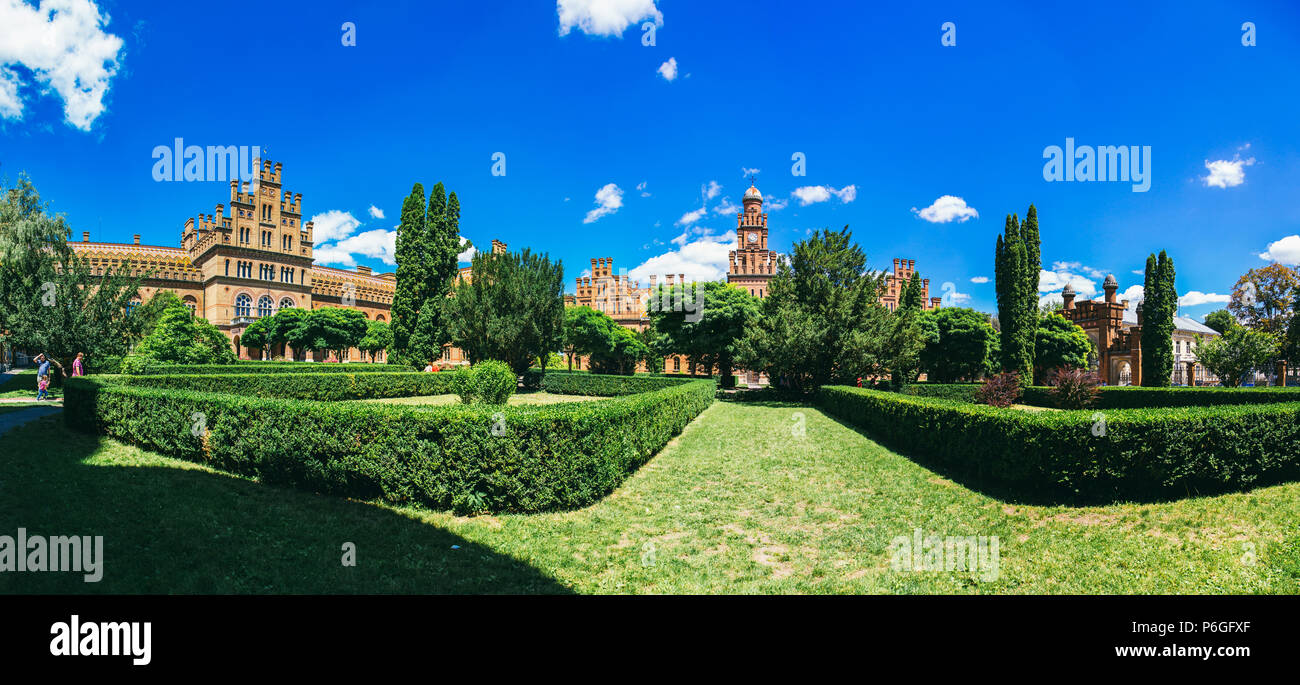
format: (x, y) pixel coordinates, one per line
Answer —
(487, 382)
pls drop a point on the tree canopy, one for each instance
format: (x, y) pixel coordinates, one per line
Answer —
(512, 310)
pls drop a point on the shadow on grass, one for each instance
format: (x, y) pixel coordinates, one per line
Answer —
(178, 530)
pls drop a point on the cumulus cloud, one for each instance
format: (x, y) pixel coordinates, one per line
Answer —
(980, 279)
(608, 200)
(1227, 173)
(703, 259)
(1057, 278)
(668, 69)
(605, 17)
(376, 244)
(376, 213)
(335, 224)
(1197, 297)
(773, 204)
(726, 207)
(945, 209)
(65, 47)
(808, 195)
(1286, 251)
(710, 190)
(692, 217)
(467, 255)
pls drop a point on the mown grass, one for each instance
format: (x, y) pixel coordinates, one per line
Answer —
(749, 498)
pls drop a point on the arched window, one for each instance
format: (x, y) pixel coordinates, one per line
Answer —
(264, 306)
(677, 365)
(243, 305)
(286, 303)
(379, 317)
(191, 304)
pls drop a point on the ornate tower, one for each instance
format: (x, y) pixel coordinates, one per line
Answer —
(751, 264)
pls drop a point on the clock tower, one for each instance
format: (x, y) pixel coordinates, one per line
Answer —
(751, 264)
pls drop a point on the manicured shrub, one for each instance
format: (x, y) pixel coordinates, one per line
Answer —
(492, 381)
(304, 386)
(469, 459)
(1073, 388)
(964, 392)
(462, 383)
(1125, 397)
(607, 386)
(1081, 456)
(1002, 390)
(144, 367)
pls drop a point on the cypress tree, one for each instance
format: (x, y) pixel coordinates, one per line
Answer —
(410, 255)
(1033, 264)
(1017, 311)
(1160, 303)
(910, 298)
(442, 243)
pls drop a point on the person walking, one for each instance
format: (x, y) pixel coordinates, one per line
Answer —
(78, 366)
(42, 377)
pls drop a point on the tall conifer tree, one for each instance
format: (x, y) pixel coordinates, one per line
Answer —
(1017, 310)
(410, 253)
(1159, 305)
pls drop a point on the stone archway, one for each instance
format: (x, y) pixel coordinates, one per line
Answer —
(1123, 373)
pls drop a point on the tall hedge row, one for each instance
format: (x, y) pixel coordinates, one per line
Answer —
(272, 367)
(1124, 397)
(469, 459)
(606, 385)
(1083, 456)
(301, 386)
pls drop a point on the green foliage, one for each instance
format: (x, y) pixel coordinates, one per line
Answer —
(1234, 354)
(599, 385)
(410, 252)
(963, 346)
(1265, 298)
(332, 328)
(379, 337)
(610, 347)
(256, 367)
(257, 337)
(145, 317)
(1002, 390)
(705, 326)
(487, 382)
(556, 457)
(1125, 397)
(1069, 456)
(1220, 320)
(49, 300)
(1074, 388)
(1016, 267)
(182, 338)
(289, 327)
(511, 311)
(1159, 305)
(821, 320)
(1059, 342)
(331, 385)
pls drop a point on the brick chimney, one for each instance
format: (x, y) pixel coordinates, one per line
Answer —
(135, 239)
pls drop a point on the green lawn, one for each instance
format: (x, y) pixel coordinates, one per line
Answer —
(516, 399)
(23, 385)
(736, 504)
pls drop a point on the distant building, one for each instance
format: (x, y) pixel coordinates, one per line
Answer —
(1117, 335)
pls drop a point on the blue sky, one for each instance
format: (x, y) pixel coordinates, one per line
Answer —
(921, 148)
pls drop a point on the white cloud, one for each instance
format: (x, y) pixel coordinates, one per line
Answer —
(704, 259)
(945, 209)
(608, 200)
(1197, 297)
(1227, 173)
(773, 204)
(950, 295)
(808, 195)
(746, 171)
(64, 45)
(710, 190)
(641, 187)
(692, 217)
(1133, 294)
(376, 244)
(668, 69)
(376, 213)
(335, 224)
(980, 279)
(468, 254)
(604, 17)
(1286, 251)
(1056, 279)
(726, 207)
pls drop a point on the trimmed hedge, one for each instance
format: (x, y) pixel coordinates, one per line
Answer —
(1142, 453)
(302, 386)
(275, 367)
(608, 385)
(1124, 397)
(469, 459)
